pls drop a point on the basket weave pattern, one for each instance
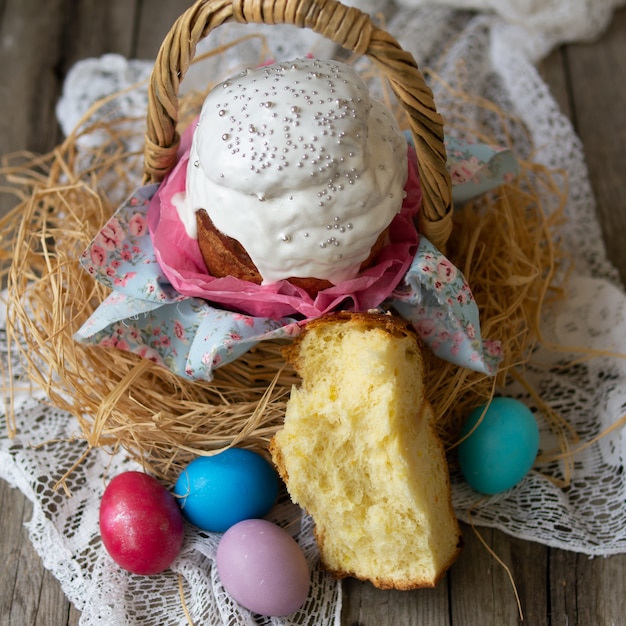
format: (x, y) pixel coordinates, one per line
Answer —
(163, 420)
(346, 26)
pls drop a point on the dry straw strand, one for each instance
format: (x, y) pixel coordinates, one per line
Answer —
(504, 242)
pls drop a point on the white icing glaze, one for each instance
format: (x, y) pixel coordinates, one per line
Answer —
(297, 163)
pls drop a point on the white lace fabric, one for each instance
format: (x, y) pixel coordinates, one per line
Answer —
(489, 51)
(542, 24)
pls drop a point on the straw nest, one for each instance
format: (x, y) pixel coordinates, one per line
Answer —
(504, 243)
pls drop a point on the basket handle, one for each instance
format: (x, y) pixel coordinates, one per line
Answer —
(347, 26)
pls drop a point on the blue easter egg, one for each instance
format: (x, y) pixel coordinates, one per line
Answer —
(502, 448)
(216, 492)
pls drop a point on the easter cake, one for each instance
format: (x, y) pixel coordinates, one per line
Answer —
(359, 452)
(294, 173)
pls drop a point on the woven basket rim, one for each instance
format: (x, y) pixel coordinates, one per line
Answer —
(349, 27)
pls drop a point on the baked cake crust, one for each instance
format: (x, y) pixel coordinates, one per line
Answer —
(380, 501)
(225, 256)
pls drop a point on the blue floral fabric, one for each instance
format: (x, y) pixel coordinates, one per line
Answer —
(145, 315)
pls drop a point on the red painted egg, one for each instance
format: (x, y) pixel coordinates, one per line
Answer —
(141, 524)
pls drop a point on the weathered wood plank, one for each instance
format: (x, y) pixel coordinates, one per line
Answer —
(598, 89)
(364, 605)
(34, 594)
(553, 71)
(601, 585)
(93, 27)
(587, 590)
(12, 504)
(53, 607)
(39, 42)
(28, 575)
(481, 591)
(471, 592)
(563, 588)
(155, 19)
(528, 564)
(30, 35)
(74, 616)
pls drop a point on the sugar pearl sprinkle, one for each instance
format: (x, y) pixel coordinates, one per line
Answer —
(296, 162)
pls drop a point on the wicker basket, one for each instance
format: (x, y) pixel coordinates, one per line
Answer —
(346, 26)
(161, 419)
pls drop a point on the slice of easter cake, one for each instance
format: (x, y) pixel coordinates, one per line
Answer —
(359, 453)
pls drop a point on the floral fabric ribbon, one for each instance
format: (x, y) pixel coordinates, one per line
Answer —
(144, 314)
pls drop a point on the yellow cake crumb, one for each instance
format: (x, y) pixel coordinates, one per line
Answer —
(359, 453)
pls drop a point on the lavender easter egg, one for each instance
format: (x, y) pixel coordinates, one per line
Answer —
(262, 568)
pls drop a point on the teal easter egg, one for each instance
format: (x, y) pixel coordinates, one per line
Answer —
(216, 492)
(501, 449)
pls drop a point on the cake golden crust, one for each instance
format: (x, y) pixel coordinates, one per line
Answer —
(359, 452)
(225, 256)
(392, 324)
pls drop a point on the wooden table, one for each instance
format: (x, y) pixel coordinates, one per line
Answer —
(39, 42)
